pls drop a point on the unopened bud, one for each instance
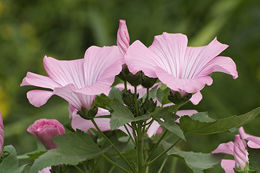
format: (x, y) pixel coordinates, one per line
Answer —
(128, 97)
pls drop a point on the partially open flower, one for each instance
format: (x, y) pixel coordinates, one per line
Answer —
(238, 150)
(45, 129)
(123, 38)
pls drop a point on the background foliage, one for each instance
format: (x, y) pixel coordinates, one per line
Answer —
(64, 29)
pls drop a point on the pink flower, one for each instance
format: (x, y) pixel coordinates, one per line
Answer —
(45, 129)
(238, 150)
(123, 37)
(2, 135)
(45, 170)
(182, 68)
(76, 81)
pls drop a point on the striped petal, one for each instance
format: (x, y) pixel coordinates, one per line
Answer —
(102, 64)
(253, 141)
(226, 148)
(39, 81)
(140, 58)
(65, 72)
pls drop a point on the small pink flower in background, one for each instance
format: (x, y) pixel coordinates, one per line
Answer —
(45, 129)
(2, 135)
(45, 170)
(238, 149)
(76, 81)
(182, 68)
(123, 37)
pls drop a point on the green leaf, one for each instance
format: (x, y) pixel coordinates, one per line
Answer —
(172, 127)
(162, 95)
(197, 161)
(202, 117)
(120, 115)
(73, 148)
(190, 125)
(103, 101)
(10, 162)
(116, 93)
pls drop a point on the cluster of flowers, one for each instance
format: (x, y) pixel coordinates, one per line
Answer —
(181, 68)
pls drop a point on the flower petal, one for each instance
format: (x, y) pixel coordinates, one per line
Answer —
(79, 123)
(182, 85)
(122, 37)
(70, 94)
(102, 64)
(38, 97)
(198, 57)
(253, 141)
(170, 49)
(65, 72)
(227, 148)
(228, 165)
(153, 129)
(140, 58)
(196, 98)
(220, 64)
(185, 112)
(39, 81)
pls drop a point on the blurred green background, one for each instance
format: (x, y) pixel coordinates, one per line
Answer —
(64, 29)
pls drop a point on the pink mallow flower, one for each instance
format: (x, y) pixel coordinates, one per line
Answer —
(76, 81)
(182, 68)
(238, 150)
(45, 129)
(2, 135)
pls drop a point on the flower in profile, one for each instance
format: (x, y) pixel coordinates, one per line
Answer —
(76, 81)
(2, 135)
(238, 149)
(45, 129)
(182, 68)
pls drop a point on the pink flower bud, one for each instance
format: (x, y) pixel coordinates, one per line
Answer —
(2, 135)
(45, 129)
(123, 37)
(240, 152)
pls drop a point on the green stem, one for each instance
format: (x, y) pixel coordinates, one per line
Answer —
(174, 164)
(136, 102)
(156, 145)
(129, 134)
(140, 158)
(115, 164)
(125, 84)
(160, 155)
(147, 95)
(114, 147)
(163, 164)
